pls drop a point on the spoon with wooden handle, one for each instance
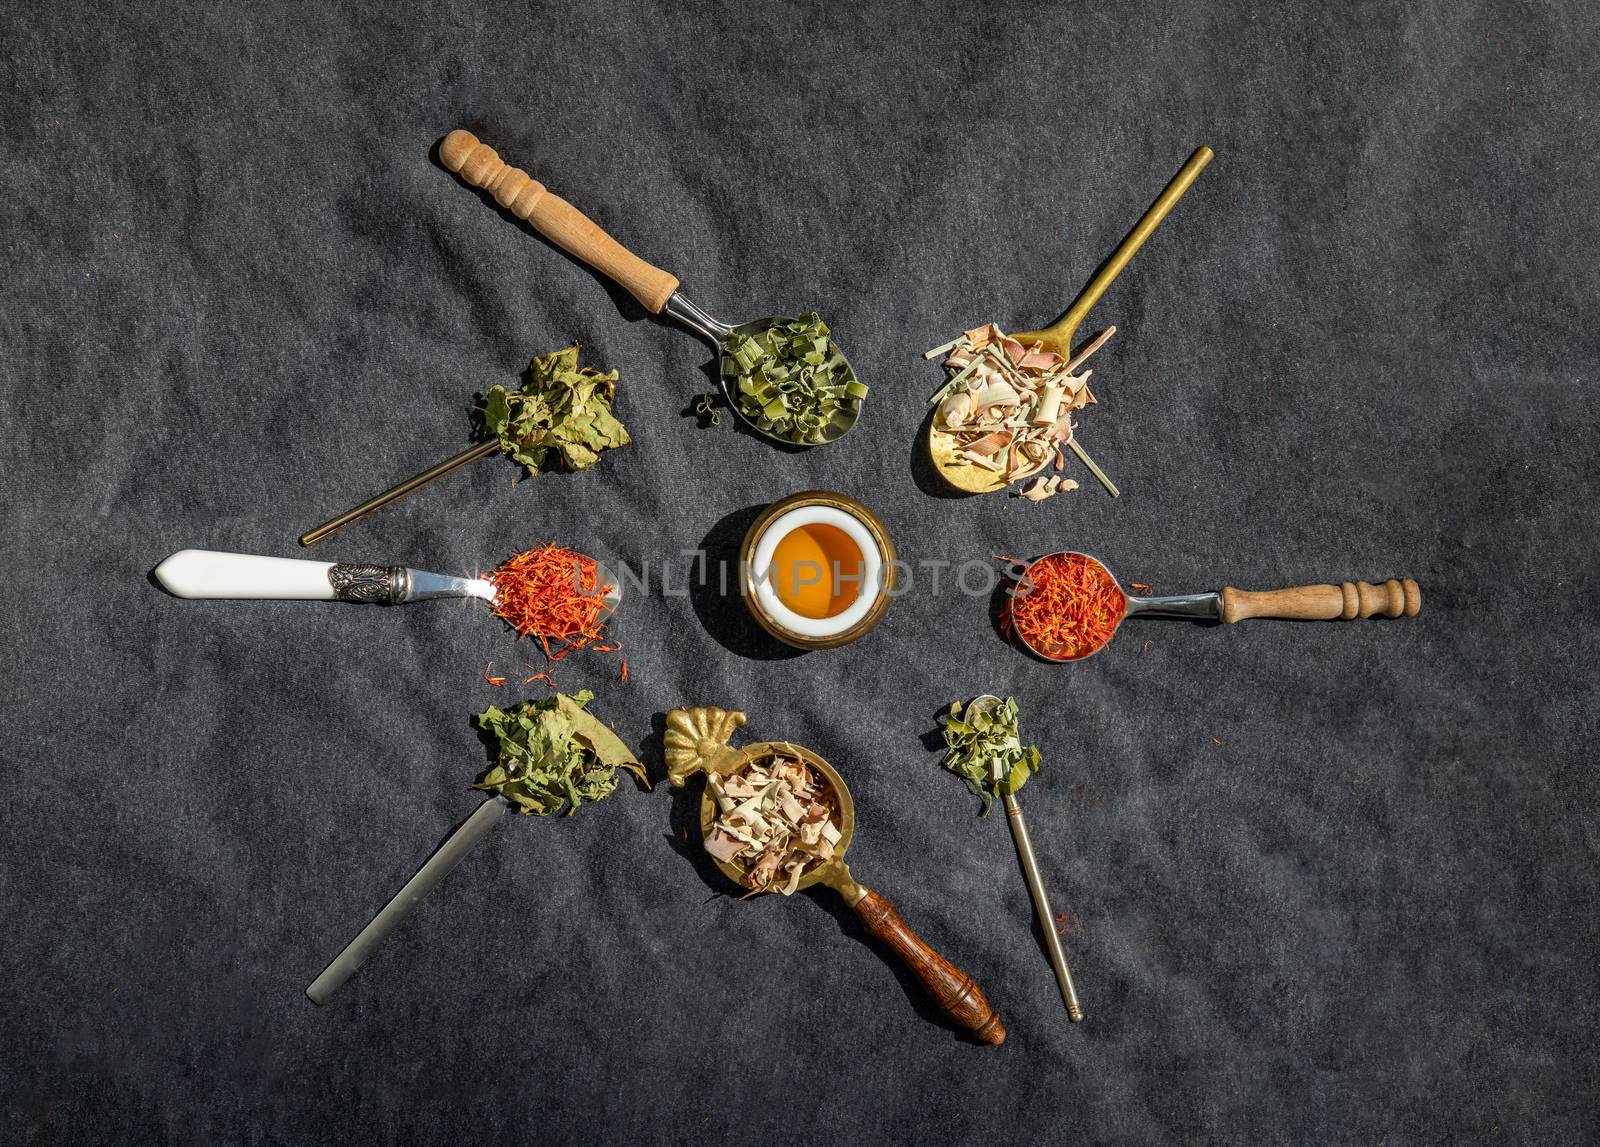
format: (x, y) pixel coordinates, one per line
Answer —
(696, 740)
(657, 290)
(1397, 597)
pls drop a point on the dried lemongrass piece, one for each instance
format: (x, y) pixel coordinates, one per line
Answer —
(956, 409)
(1007, 406)
(774, 822)
(1049, 403)
(1083, 457)
(1082, 356)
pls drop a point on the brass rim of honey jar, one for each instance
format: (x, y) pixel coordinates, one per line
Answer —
(846, 505)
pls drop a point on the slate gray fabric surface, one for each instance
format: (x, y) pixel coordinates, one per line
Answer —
(1328, 882)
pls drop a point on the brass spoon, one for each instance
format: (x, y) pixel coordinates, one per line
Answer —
(1058, 336)
(657, 290)
(1041, 902)
(697, 741)
(1394, 598)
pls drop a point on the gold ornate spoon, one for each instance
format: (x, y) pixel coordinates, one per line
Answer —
(697, 741)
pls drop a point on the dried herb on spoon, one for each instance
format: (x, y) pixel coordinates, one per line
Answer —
(790, 380)
(561, 407)
(1009, 407)
(551, 593)
(983, 748)
(774, 822)
(554, 755)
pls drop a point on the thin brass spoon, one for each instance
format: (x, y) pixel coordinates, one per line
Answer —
(1041, 902)
(1058, 336)
(395, 493)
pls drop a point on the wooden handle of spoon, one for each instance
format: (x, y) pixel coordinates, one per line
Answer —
(1393, 598)
(951, 988)
(555, 219)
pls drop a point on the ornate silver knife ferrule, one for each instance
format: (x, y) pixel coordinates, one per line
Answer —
(379, 585)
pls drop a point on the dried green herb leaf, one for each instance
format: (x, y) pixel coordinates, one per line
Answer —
(706, 407)
(560, 406)
(790, 380)
(554, 754)
(983, 748)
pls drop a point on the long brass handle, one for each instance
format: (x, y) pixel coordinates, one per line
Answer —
(1059, 333)
(1041, 909)
(395, 493)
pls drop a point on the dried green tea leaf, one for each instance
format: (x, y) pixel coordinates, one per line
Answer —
(554, 754)
(562, 407)
(983, 748)
(791, 381)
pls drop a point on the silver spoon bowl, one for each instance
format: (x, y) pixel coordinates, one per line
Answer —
(717, 332)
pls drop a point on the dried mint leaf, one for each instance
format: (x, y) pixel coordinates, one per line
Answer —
(560, 406)
(554, 754)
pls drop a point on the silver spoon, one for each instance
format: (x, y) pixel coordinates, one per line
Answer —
(215, 574)
(657, 290)
(1397, 597)
(1041, 902)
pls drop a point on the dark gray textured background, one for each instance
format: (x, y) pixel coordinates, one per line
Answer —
(1327, 882)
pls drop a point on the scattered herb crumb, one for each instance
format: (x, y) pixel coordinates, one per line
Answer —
(706, 407)
(492, 680)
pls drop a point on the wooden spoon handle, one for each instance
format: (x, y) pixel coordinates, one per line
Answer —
(1324, 602)
(555, 219)
(951, 988)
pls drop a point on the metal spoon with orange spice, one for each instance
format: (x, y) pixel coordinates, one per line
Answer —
(1067, 606)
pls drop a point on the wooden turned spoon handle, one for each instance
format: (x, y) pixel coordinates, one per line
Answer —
(1394, 598)
(951, 988)
(555, 219)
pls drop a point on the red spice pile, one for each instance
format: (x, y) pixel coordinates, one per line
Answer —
(551, 593)
(1066, 606)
